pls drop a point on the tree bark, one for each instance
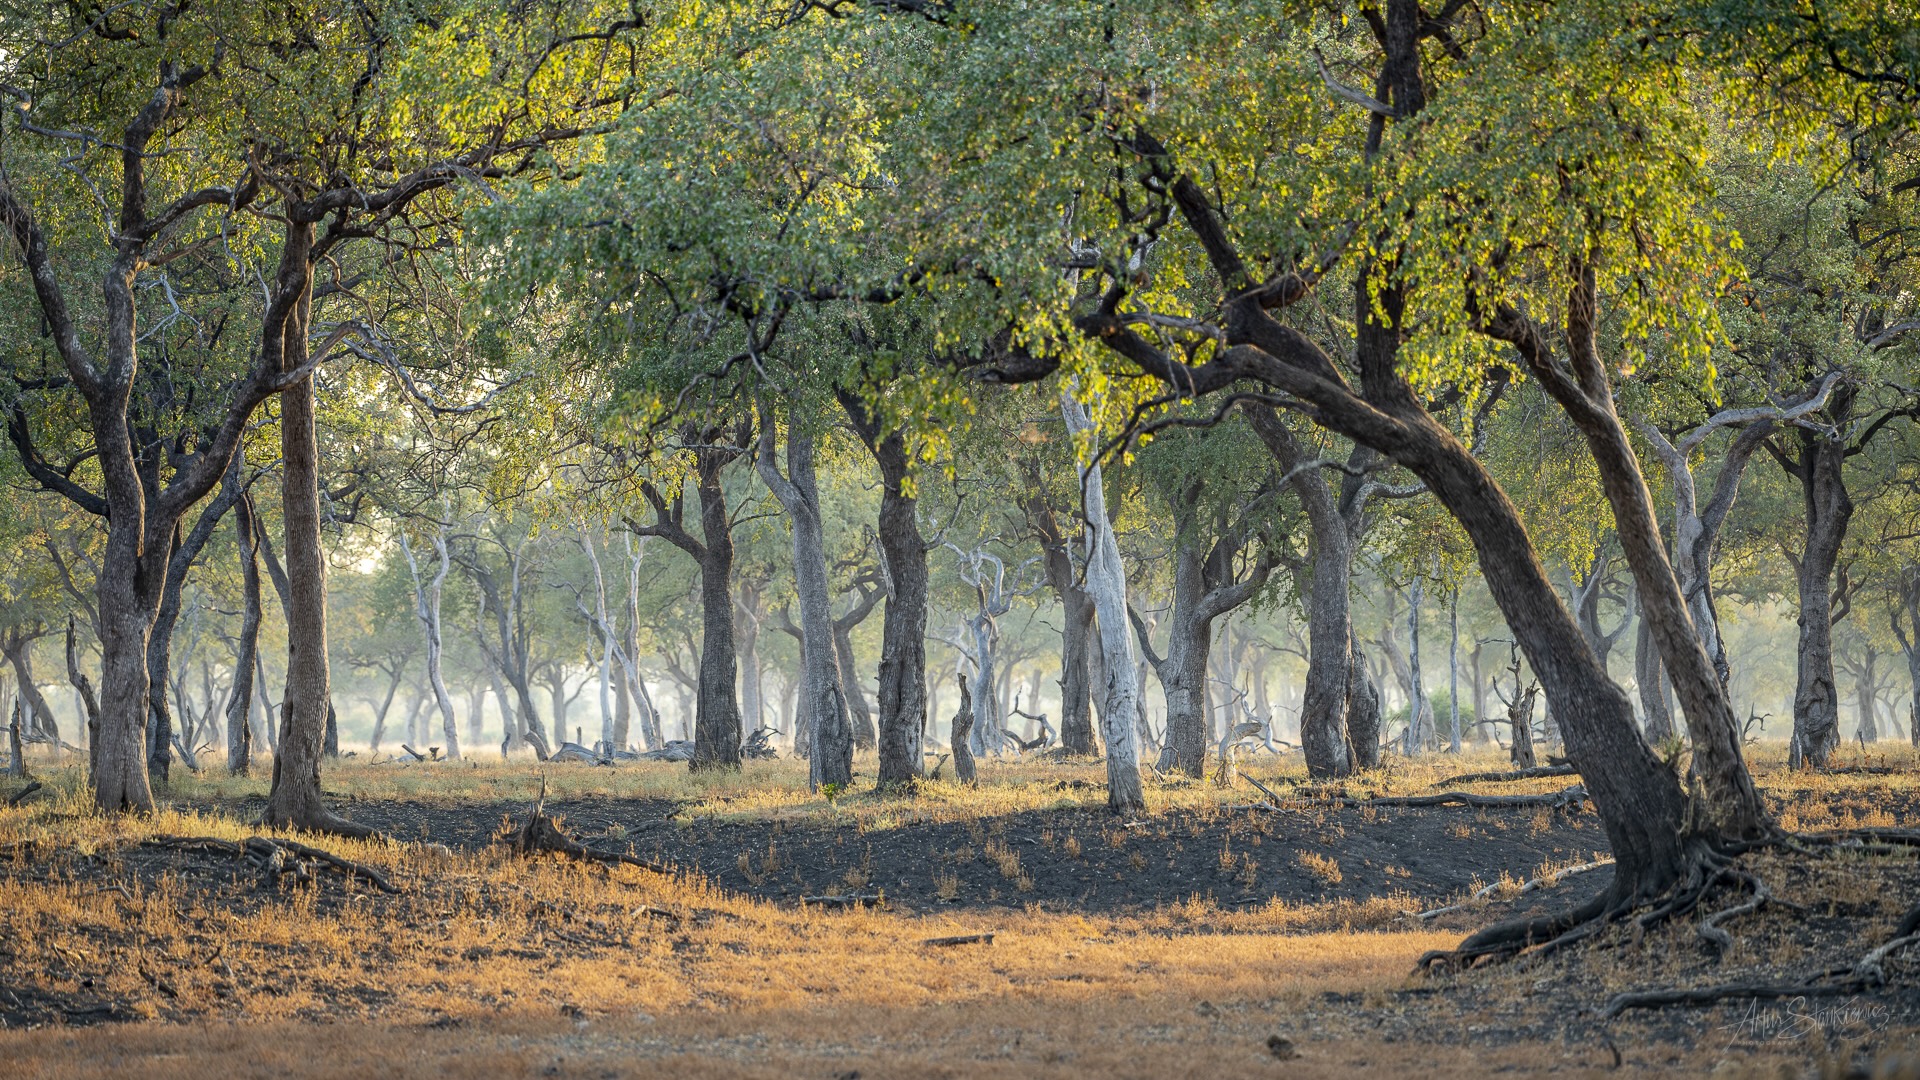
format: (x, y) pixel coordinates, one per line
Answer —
(427, 610)
(1648, 678)
(1076, 628)
(831, 762)
(1828, 508)
(717, 718)
(961, 735)
(294, 799)
(1107, 585)
(240, 703)
(903, 634)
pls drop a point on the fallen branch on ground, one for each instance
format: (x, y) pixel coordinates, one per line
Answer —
(1515, 774)
(1533, 885)
(277, 856)
(540, 833)
(960, 939)
(855, 900)
(20, 795)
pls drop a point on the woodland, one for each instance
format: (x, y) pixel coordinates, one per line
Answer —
(933, 537)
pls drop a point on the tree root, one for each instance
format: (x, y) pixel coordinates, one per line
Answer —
(1516, 774)
(277, 857)
(1864, 975)
(540, 833)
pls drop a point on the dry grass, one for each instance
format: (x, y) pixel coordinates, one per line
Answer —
(491, 965)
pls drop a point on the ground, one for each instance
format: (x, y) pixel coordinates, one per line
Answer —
(1218, 932)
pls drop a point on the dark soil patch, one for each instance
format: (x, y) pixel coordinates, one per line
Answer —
(1060, 860)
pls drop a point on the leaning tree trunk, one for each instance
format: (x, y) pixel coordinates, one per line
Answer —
(859, 713)
(1581, 386)
(1107, 586)
(1816, 699)
(240, 704)
(83, 688)
(831, 760)
(294, 799)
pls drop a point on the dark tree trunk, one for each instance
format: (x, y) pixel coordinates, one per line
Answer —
(295, 796)
(903, 635)
(961, 735)
(83, 687)
(1362, 706)
(240, 703)
(1581, 386)
(1076, 628)
(1828, 508)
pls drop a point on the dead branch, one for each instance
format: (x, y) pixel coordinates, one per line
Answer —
(853, 900)
(959, 939)
(1516, 774)
(541, 833)
(20, 796)
(277, 857)
(1563, 797)
(1533, 885)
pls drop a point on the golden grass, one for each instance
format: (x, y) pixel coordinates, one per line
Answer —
(546, 965)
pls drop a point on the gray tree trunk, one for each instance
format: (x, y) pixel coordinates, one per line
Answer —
(240, 703)
(831, 761)
(1107, 585)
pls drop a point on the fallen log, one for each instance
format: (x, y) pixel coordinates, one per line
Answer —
(1563, 797)
(20, 796)
(1513, 774)
(853, 900)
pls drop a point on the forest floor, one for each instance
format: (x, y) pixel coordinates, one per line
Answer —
(1215, 932)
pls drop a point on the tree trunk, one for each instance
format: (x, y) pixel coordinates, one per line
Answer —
(859, 713)
(1107, 585)
(1183, 679)
(1362, 707)
(716, 724)
(747, 645)
(1583, 389)
(1520, 724)
(903, 635)
(831, 762)
(1648, 677)
(1453, 671)
(1419, 710)
(961, 735)
(83, 688)
(1828, 508)
(240, 703)
(1866, 730)
(295, 796)
(427, 610)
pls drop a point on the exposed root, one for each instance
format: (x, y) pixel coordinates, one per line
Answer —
(1864, 975)
(1709, 928)
(1516, 774)
(277, 857)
